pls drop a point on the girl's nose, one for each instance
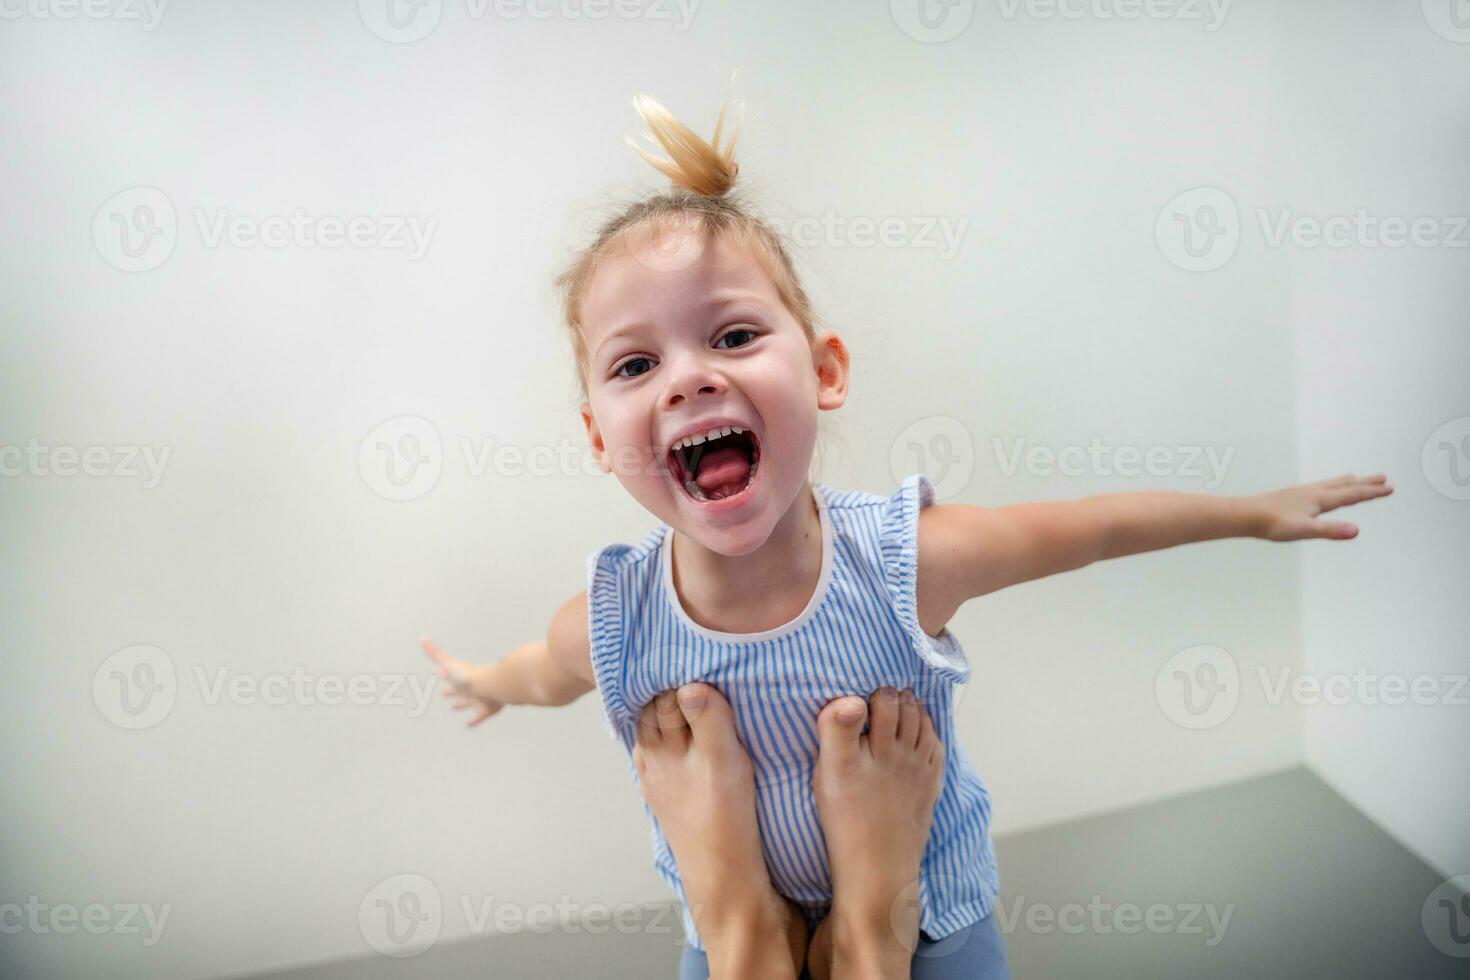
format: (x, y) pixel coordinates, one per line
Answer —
(690, 378)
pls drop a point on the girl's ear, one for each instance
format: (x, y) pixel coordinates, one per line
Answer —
(594, 437)
(829, 356)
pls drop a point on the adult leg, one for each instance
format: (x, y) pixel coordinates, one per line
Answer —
(699, 783)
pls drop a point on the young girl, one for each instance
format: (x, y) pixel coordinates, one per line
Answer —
(787, 600)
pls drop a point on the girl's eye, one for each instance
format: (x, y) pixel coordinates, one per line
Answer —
(618, 371)
(736, 332)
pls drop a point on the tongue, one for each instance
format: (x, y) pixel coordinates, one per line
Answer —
(725, 468)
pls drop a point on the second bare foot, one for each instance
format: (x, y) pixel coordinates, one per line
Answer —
(875, 794)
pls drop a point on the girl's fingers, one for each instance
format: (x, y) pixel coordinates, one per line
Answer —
(1353, 495)
(1348, 479)
(432, 649)
(1339, 531)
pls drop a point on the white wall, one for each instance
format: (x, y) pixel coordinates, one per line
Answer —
(264, 548)
(1383, 363)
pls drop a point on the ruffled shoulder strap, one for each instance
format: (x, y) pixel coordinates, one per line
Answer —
(899, 541)
(619, 577)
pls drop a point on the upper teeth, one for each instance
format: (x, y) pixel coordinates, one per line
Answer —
(695, 440)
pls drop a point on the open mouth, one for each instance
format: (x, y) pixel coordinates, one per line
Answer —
(717, 469)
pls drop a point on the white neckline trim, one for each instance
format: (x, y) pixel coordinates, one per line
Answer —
(666, 558)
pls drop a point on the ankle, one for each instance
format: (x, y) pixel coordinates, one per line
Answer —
(749, 940)
(872, 943)
(742, 952)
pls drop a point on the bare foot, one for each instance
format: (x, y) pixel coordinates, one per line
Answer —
(875, 795)
(699, 783)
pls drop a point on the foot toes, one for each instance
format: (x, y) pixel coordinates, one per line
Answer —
(648, 734)
(910, 719)
(928, 737)
(840, 728)
(671, 723)
(883, 714)
(708, 715)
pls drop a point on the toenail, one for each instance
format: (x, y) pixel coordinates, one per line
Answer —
(908, 696)
(889, 694)
(849, 711)
(692, 697)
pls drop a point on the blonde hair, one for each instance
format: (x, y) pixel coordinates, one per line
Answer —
(702, 175)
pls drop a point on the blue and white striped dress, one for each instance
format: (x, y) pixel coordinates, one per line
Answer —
(859, 632)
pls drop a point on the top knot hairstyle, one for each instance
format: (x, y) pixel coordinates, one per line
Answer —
(698, 167)
(702, 174)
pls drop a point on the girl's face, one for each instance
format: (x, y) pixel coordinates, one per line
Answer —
(686, 334)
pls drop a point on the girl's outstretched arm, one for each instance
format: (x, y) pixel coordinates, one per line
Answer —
(967, 551)
(554, 672)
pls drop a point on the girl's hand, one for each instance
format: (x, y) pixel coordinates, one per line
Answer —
(467, 682)
(1290, 514)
